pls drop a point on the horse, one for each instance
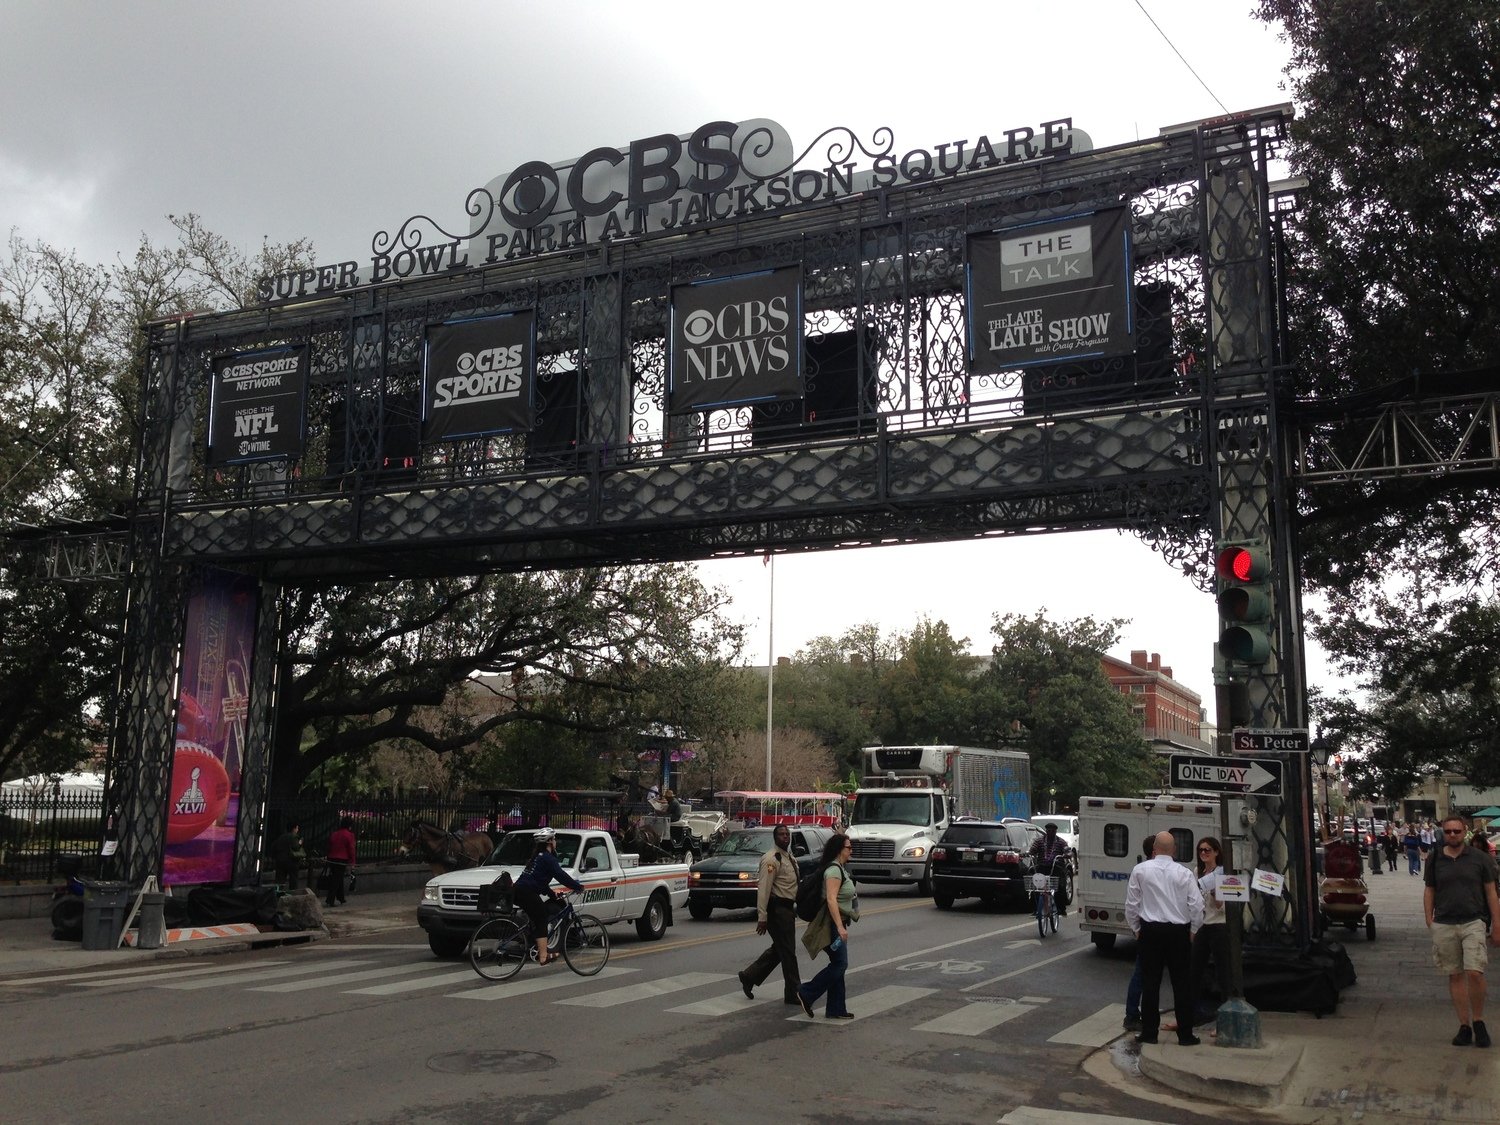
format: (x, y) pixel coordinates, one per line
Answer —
(446, 851)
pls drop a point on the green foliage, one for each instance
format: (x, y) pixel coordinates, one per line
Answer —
(1395, 249)
(928, 694)
(1045, 692)
(834, 688)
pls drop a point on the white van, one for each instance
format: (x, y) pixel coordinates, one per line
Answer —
(1112, 834)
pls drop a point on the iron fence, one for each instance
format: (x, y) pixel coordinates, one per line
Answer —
(38, 826)
(35, 828)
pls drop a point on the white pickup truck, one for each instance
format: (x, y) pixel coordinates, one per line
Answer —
(617, 888)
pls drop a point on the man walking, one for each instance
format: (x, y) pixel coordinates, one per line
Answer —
(1460, 902)
(775, 911)
(1164, 908)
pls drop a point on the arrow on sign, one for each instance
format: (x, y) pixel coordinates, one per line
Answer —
(1239, 775)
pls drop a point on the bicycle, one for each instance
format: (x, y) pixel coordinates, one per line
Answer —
(1044, 892)
(501, 945)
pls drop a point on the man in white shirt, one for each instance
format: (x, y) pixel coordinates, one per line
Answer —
(1164, 908)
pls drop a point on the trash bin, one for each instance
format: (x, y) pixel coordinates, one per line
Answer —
(104, 906)
(151, 924)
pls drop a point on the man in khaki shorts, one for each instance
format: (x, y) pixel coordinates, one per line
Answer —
(1462, 910)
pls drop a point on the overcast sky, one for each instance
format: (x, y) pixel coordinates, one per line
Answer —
(336, 120)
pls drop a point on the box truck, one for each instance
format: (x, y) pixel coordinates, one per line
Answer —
(909, 795)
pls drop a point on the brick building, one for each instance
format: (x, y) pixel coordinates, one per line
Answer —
(1171, 715)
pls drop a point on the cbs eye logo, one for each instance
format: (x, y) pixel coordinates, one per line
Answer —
(698, 326)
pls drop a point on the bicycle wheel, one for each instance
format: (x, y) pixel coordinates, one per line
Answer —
(498, 949)
(585, 944)
(1041, 915)
(1052, 913)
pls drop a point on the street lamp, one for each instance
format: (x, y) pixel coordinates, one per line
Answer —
(1318, 753)
(1051, 798)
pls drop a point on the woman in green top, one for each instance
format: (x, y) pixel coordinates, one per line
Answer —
(829, 931)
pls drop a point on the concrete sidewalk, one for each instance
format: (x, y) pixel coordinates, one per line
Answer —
(1383, 1058)
(27, 948)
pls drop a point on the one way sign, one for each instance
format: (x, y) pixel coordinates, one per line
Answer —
(1227, 775)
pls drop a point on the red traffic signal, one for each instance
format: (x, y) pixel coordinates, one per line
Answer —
(1241, 563)
(1244, 572)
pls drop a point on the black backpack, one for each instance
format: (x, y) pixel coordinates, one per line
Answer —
(810, 895)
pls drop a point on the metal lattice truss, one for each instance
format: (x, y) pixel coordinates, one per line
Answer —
(1419, 437)
(895, 441)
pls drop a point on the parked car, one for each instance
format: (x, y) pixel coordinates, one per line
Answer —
(988, 859)
(728, 878)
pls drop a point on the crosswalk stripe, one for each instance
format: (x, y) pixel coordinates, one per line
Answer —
(1102, 1027)
(727, 1004)
(348, 978)
(158, 974)
(522, 986)
(646, 989)
(258, 974)
(975, 1018)
(881, 1000)
(1032, 1115)
(436, 980)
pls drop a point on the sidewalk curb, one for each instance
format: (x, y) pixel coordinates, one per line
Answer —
(1259, 1074)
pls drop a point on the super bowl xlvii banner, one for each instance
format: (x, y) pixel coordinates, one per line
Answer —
(256, 406)
(478, 376)
(736, 340)
(1050, 292)
(213, 705)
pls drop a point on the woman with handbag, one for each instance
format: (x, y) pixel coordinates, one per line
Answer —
(829, 931)
(340, 859)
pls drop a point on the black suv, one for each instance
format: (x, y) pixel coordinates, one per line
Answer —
(984, 858)
(730, 877)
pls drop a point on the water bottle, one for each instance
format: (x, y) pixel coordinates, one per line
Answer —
(835, 945)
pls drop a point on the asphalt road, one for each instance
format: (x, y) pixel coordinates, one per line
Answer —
(963, 1016)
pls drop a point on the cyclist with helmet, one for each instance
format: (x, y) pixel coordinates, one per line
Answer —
(535, 885)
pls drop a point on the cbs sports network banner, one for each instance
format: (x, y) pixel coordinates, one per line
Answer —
(1051, 292)
(736, 340)
(256, 406)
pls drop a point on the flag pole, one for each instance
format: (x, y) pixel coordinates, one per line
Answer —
(770, 561)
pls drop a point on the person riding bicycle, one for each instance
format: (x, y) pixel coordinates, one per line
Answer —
(1048, 852)
(535, 886)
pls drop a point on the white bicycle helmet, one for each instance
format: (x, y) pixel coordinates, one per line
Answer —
(542, 835)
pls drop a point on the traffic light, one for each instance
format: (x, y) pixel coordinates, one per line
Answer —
(1244, 574)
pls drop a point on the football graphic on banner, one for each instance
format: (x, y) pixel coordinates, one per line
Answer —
(199, 792)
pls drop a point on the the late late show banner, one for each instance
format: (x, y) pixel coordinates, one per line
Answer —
(212, 708)
(736, 340)
(256, 406)
(1050, 292)
(478, 376)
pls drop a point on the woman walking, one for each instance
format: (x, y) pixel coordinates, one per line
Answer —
(1412, 842)
(1211, 942)
(829, 931)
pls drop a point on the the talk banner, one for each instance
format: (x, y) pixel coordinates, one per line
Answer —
(478, 376)
(213, 705)
(736, 340)
(1050, 292)
(256, 406)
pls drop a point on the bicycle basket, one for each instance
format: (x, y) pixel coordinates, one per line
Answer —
(1040, 883)
(496, 897)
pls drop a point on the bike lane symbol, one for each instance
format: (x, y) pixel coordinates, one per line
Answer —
(947, 967)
